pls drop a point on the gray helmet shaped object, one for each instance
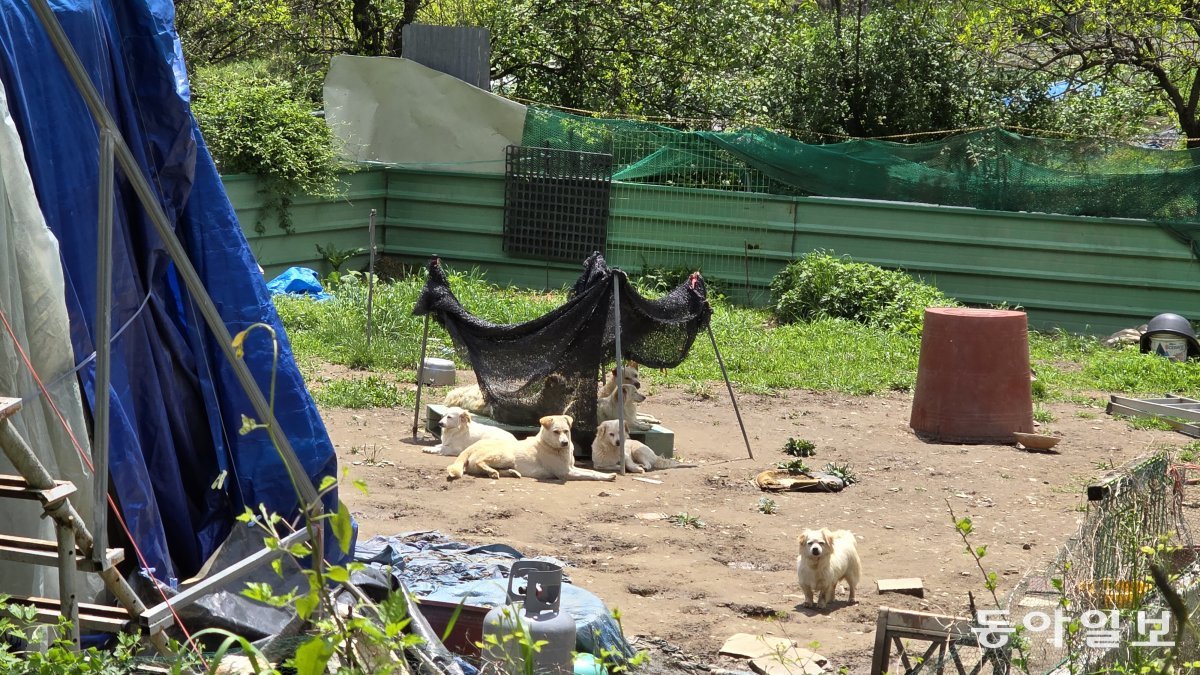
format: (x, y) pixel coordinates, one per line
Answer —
(1174, 325)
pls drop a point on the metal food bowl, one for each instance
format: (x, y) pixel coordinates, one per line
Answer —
(438, 372)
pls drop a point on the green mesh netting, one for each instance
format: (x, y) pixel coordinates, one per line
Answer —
(992, 169)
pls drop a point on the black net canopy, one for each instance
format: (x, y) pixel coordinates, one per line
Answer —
(550, 365)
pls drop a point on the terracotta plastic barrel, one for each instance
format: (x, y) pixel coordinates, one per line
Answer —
(973, 376)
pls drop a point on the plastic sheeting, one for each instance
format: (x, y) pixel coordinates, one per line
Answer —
(401, 112)
(433, 566)
(176, 405)
(298, 281)
(31, 300)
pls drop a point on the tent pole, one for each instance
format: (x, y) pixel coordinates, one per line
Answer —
(370, 278)
(103, 342)
(420, 377)
(619, 375)
(309, 499)
(729, 386)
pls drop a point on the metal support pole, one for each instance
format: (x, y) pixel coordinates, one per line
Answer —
(420, 377)
(68, 599)
(619, 375)
(370, 278)
(729, 386)
(26, 463)
(183, 265)
(102, 338)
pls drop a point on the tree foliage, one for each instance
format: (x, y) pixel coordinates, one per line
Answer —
(1149, 46)
(821, 69)
(257, 124)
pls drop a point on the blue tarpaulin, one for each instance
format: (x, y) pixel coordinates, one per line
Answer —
(176, 404)
(298, 281)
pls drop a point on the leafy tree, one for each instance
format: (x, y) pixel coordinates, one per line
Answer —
(1152, 46)
(257, 124)
(684, 58)
(846, 71)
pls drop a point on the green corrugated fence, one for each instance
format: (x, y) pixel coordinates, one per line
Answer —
(1080, 274)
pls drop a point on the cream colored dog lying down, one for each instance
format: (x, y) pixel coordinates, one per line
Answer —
(548, 454)
(639, 457)
(460, 431)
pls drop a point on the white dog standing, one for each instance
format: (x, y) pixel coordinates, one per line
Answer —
(460, 431)
(826, 559)
(639, 457)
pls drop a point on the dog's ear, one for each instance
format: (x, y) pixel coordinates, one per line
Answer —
(570, 420)
(633, 364)
(827, 536)
(466, 416)
(546, 421)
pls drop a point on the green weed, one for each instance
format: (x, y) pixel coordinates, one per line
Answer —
(686, 520)
(1042, 415)
(371, 391)
(768, 506)
(799, 447)
(842, 471)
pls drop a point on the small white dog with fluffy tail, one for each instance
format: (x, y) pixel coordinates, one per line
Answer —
(460, 431)
(826, 559)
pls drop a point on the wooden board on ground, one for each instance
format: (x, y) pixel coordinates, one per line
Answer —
(910, 586)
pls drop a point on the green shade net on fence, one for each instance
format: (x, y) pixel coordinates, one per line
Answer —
(991, 169)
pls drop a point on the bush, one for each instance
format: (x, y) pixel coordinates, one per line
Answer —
(821, 285)
(258, 124)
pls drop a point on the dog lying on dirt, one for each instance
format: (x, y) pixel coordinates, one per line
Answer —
(551, 396)
(459, 432)
(606, 408)
(638, 456)
(469, 398)
(548, 454)
(826, 559)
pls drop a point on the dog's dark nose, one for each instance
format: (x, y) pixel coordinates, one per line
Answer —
(563, 444)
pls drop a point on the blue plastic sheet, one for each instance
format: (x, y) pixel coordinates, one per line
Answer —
(176, 405)
(298, 281)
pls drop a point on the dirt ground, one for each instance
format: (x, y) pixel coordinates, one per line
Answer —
(683, 591)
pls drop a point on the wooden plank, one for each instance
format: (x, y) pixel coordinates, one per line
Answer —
(907, 586)
(45, 552)
(881, 657)
(1162, 406)
(9, 407)
(94, 617)
(1182, 427)
(15, 487)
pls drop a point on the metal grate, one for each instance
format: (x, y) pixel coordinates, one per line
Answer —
(555, 203)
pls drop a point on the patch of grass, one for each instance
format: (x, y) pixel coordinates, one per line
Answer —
(768, 506)
(1042, 415)
(1039, 390)
(686, 520)
(1148, 423)
(824, 354)
(799, 447)
(1189, 452)
(1077, 366)
(1085, 414)
(371, 391)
